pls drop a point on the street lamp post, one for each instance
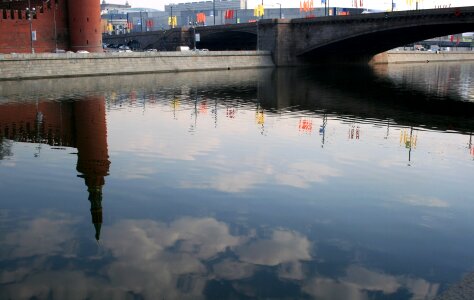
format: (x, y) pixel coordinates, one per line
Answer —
(258, 36)
(194, 37)
(141, 22)
(214, 10)
(171, 17)
(30, 15)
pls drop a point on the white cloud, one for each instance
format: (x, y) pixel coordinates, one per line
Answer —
(298, 175)
(283, 246)
(156, 260)
(302, 174)
(324, 288)
(417, 200)
(366, 279)
(202, 238)
(292, 270)
(48, 234)
(233, 270)
(358, 280)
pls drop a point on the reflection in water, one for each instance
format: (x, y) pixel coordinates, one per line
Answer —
(92, 156)
(79, 124)
(187, 258)
(441, 80)
(258, 184)
(5, 148)
(471, 146)
(408, 139)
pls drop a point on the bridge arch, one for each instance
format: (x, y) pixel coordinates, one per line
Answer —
(380, 33)
(365, 45)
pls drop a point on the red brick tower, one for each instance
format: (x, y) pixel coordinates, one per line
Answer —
(85, 25)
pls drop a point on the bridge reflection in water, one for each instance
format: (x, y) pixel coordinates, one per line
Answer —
(79, 124)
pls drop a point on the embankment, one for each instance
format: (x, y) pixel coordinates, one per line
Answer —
(400, 57)
(51, 65)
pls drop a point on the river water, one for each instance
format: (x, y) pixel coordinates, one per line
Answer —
(319, 183)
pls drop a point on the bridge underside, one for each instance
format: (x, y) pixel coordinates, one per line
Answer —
(228, 41)
(362, 48)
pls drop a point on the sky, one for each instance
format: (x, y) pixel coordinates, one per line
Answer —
(373, 4)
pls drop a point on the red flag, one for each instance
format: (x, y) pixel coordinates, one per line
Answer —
(201, 17)
(229, 14)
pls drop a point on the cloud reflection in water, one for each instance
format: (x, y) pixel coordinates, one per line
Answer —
(176, 260)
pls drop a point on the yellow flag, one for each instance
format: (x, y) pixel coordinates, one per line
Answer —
(173, 21)
(259, 11)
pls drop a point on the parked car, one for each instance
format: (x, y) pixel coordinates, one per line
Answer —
(124, 48)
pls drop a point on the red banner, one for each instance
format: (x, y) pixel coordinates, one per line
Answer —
(229, 14)
(201, 18)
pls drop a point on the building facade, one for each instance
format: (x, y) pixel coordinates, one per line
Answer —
(119, 20)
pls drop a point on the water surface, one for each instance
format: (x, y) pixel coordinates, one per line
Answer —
(334, 183)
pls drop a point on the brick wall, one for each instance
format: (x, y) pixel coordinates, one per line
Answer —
(15, 28)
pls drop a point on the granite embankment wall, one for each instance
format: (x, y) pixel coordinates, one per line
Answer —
(399, 57)
(50, 65)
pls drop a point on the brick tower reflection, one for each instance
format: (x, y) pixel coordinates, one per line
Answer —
(93, 158)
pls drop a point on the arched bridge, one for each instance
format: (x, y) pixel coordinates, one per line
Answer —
(220, 37)
(358, 37)
(323, 39)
